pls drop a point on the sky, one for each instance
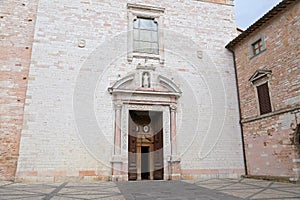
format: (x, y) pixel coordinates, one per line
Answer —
(249, 11)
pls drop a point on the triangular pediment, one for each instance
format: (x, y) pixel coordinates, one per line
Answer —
(258, 74)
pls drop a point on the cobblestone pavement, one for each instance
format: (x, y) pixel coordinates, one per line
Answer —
(213, 189)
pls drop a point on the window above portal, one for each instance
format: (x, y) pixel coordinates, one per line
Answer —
(145, 36)
(145, 32)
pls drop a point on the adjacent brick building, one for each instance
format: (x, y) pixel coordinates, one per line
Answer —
(17, 22)
(267, 57)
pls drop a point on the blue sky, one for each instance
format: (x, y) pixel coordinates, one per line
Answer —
(249, 11)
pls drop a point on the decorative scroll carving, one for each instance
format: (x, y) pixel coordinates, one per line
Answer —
(164, 81)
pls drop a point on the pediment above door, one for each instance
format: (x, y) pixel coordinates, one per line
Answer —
(147, 83)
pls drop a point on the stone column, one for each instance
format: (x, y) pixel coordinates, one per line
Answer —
(173, 129)
(116, 160)
(117, 142)
(175, 159)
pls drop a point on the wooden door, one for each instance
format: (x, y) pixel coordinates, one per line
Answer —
(158, 147)
(145, 164)
(132, 168)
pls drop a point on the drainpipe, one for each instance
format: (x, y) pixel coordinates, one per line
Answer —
(240, 112)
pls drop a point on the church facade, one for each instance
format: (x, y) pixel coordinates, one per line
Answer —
(119, 90)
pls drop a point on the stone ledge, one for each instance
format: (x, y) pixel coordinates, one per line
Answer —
(225, 2)
(296, 169)
(271, 114)
(296, 160)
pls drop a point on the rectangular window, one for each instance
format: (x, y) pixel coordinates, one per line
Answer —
(257, 47)
(145, 33)
(264, 98)
(145, 36)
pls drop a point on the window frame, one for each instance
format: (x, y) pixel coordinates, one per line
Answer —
(258, 82)
(260, 106)
(257, 40)
(135, 11)
(257, 47)
(139, 30)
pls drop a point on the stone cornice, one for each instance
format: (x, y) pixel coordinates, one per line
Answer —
(277, 112)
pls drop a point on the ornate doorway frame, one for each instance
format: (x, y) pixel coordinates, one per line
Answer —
(162, 98)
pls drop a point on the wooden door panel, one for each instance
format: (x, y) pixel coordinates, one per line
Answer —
(158, 149)
(132, 166)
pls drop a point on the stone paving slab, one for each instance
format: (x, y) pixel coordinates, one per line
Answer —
(252, 189)
(60, 191)
(169, 190)
(212, 189)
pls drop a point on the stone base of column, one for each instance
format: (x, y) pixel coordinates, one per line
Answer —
(175, 168)
(119, 178)
(118, 172)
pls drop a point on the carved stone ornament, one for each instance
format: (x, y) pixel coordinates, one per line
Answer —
(200, 54)
(146, 80)
(173, 107)
(146, 129)
(81, 43)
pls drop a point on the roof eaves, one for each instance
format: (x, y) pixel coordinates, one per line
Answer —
(269, 15)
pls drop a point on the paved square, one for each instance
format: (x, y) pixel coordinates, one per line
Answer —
(213, 189)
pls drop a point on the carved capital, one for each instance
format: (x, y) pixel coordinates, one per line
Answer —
(173, 107)
(118, 106)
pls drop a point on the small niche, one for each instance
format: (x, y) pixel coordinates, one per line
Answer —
(146, 80)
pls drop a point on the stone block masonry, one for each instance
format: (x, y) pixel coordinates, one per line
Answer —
(68, 33)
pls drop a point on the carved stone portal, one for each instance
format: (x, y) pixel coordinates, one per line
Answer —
(128, 160)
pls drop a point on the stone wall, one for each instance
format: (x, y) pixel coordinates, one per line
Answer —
(17, 19)
(81, 46)
(269, 139)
